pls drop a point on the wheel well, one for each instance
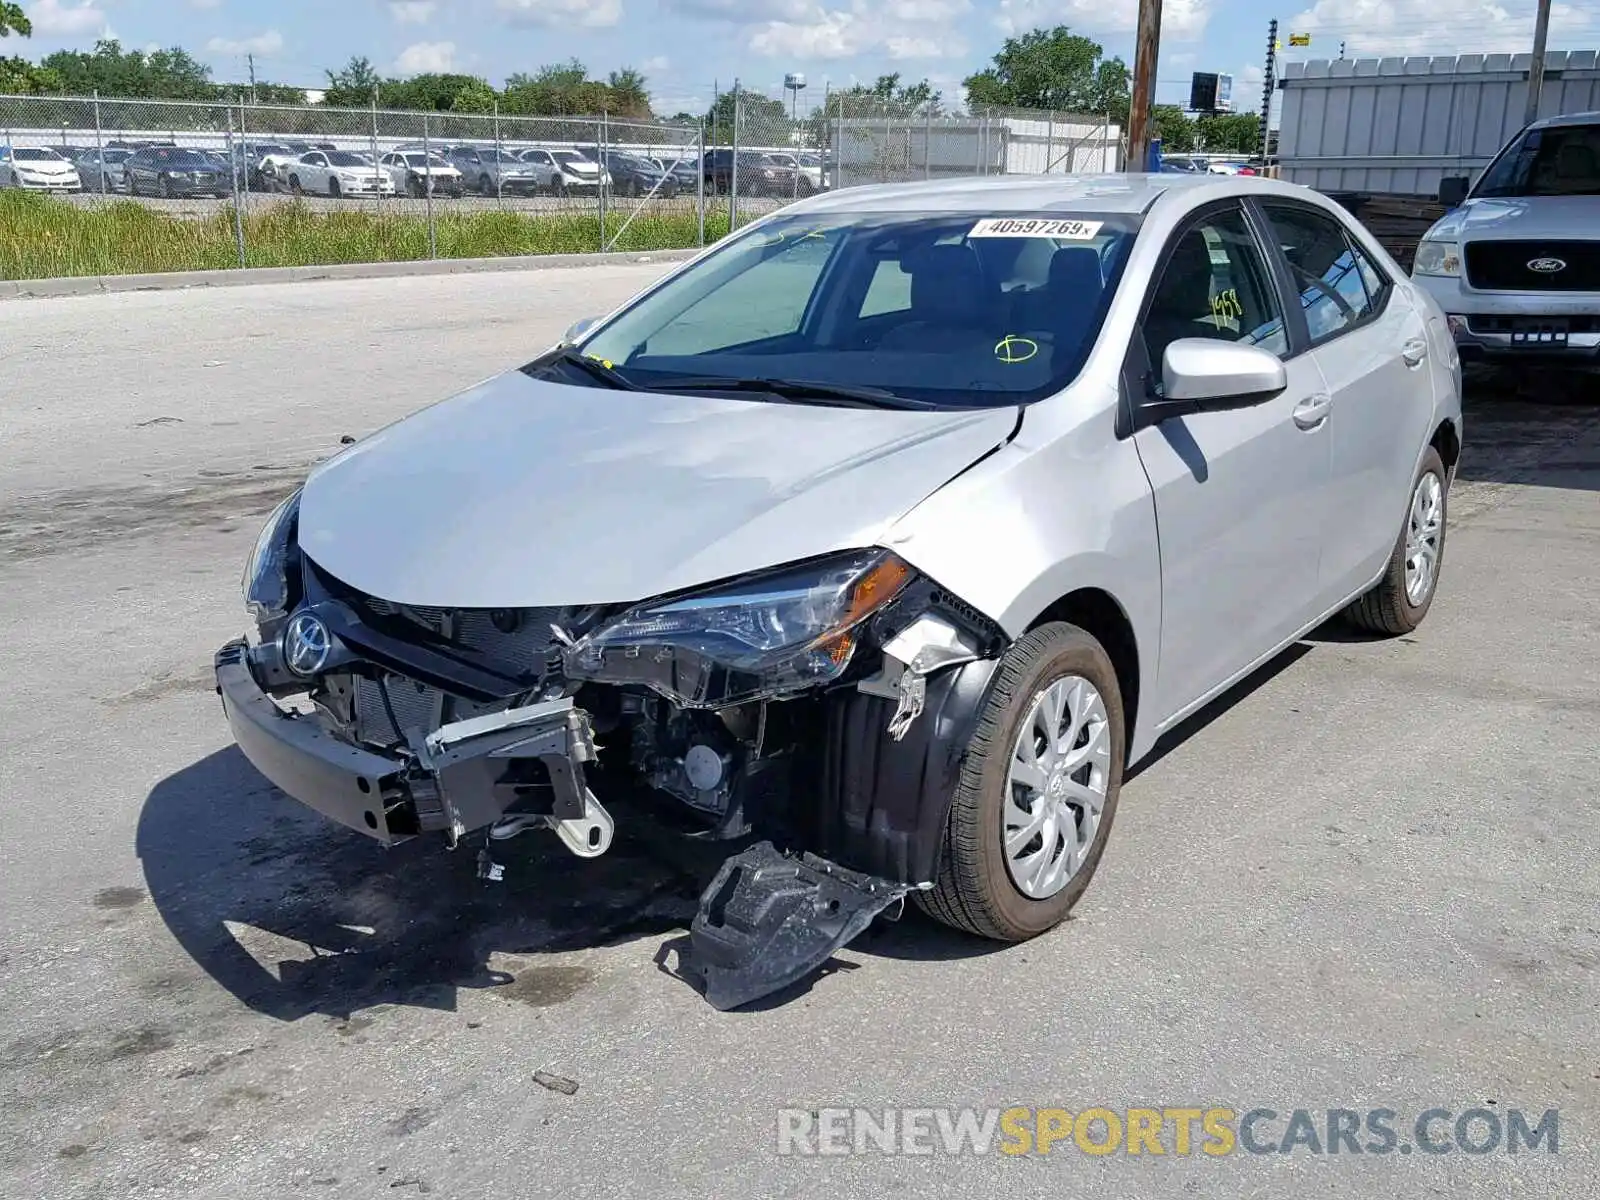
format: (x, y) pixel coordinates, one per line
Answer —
(1097, 614)
(1448, 443)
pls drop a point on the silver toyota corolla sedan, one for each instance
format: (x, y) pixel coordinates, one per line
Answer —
(878, 541)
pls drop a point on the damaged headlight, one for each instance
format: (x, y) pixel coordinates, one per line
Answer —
(266, 572)
(769, 634)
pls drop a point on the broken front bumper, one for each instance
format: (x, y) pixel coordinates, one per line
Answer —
(460, 778)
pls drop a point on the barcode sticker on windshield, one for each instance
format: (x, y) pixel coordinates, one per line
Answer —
(1071, 231)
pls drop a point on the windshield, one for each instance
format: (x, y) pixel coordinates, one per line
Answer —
(34, 154)
(424, 160)
(346, 158)
(1559, 161)
(183, 158)
(958, 310)
(569, 156)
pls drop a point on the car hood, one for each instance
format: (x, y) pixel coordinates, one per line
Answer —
(1530, 217)
(43, 168)
(522, 493)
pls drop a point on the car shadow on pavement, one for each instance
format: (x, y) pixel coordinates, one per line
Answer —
(1531, 427)
(330, 922)
(296, 916)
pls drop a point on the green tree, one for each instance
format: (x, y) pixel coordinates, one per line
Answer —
(1173, 126)
(558, 89)
(354, 86)
(172, 74)
(268, 93)
(14, 20)
(475, 97)
(19, 77)
(1053, 69)
(1234, 132)
(761, 119)
(437, 93)
(629, 95)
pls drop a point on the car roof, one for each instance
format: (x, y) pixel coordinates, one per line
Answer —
(1584, 118)
(1000, 194)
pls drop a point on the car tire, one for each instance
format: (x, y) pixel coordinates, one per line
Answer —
(333, 189)
(416, 190)
(1398, 604)
(485, 186)
(164, 187)
(975, 889)
(294, 186)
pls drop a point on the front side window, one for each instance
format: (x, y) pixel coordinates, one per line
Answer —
(1326, 271)
(1561, 160)
(347, 158)
(1216, 285)
(920, 305)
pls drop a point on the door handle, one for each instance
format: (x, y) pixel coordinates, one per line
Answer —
(1414, 352)
(1313, 410)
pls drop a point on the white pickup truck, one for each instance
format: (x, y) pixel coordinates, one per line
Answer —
(1515, 263)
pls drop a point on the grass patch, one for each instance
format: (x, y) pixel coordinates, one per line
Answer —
(45, 237)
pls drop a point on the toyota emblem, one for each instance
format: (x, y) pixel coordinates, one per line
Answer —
(306, 645)
(1547, 266)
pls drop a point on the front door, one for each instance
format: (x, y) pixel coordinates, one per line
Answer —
(1240, 496)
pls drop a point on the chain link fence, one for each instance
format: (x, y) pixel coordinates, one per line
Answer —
(267, 185)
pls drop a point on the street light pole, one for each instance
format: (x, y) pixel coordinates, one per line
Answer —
(1146, 48)
(1541, 32)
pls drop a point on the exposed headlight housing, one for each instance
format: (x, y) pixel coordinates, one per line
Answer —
(266, 572)
(1437, 258)
(770, 634)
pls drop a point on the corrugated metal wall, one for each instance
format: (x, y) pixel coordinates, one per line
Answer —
(1398, 125)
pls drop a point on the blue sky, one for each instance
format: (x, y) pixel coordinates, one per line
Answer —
(684, 46)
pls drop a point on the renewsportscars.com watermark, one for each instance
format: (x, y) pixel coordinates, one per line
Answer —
(1207, 1132)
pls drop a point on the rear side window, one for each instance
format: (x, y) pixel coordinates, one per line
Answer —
(1330, 274)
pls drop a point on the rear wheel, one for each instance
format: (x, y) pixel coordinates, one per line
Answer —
(1403, 596)
(333, 189)
(485, 185)
(1038, 790)
(294, 185)
(164, 186)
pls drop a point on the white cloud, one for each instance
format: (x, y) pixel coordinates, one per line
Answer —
(744, 12)
(1382, 28)
(52, 18)
(412, 12)
(1181, 20)
(562, 14)
(205, 3)
(659, 63)
(427, 58)
(269, 42)
(900, 29)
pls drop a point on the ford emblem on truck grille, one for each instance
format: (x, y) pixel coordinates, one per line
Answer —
(1547, 266)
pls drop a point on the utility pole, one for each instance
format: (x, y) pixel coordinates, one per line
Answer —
(1268, 82)
(1541, 31)
(251, 59)
(1146, 47)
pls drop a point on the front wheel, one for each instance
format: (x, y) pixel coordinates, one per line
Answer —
(1038, 790)
(1403, 596)
(333, 189)
(164, 186)
(294, 185)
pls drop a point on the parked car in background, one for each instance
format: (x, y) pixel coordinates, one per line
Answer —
(562, 170)
(336, 173)
(494, 171)
(632, 175)
(102, 170)
(416, 174)
(685, 170)
(173, 171)
(758, 174)
(1515, 262)
(37, 168)
(272, 163)
(1230, 168)
(807, 168)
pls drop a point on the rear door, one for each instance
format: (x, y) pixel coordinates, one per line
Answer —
(1241, 495)
(1372, 348)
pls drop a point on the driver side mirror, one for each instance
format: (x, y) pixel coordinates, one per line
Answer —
(577, 329)
(1204, 375)
(1453, 190)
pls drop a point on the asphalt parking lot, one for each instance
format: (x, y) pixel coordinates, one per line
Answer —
(1365, 879)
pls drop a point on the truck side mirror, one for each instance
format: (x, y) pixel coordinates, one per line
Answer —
(1453, 190)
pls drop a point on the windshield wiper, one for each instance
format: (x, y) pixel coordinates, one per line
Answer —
(800, 391)
(572, 357)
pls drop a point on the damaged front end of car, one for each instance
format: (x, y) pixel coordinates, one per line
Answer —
(818, 713)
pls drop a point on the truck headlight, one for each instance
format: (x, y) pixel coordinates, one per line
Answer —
(266, 572)
(1437, 258)
(768, 634)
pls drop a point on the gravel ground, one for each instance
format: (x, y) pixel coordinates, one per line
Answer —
(1365, 878)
